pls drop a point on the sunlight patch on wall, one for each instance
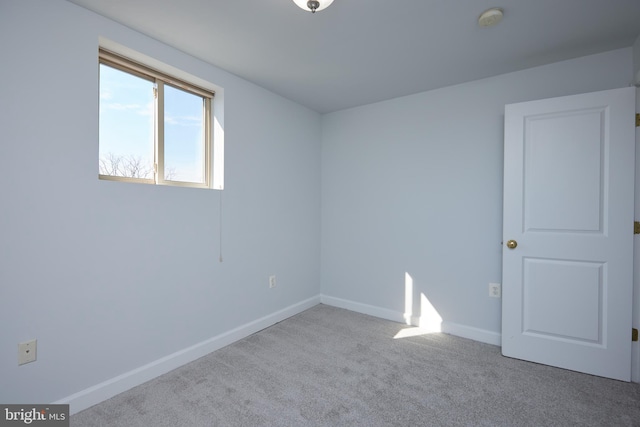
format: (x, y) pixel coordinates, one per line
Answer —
(430, 319)
(408, 298)
(427, 319)
(218, 141)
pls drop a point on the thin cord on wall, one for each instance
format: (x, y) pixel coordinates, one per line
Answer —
(220, 227)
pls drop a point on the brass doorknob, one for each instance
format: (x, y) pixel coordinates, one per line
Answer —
(511, 244)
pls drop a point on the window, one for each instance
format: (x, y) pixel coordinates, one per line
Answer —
(153, 128)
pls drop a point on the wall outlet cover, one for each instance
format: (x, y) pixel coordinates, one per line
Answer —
(494, 290)
(27, 352)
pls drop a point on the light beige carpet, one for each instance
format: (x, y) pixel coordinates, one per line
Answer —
(333, 367)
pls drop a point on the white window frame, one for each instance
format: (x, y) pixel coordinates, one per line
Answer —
(161, 79)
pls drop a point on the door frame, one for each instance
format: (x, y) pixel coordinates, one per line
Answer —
(635, 346)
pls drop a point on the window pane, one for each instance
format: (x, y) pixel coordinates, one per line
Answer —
(184, 145)
(126, 124)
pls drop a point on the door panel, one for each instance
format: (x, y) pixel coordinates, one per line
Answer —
(568, 202)
(564, 155)
(563, 280)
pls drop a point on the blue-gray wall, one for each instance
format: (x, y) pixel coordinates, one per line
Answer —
(109, 276)
(412, 187)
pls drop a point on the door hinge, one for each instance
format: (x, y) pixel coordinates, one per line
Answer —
(636, 227)
(637, 120)
(634, 334)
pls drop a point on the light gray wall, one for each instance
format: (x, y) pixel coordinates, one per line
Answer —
(414, 185)
(636, 60)
(111, 276)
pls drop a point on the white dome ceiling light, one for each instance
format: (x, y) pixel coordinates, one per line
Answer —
(490, 17)
(313, 5)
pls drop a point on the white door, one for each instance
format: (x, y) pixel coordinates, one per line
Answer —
(568, 206)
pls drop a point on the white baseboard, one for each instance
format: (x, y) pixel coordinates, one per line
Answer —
(107, 389)
(635, 362)
(358, 307)
(476, 334)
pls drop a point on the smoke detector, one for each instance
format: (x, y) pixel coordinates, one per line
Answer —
(490, 17)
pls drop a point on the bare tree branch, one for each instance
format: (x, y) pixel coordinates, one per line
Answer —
(131, 167)
(125, 166)
(170, 174)
(110, 165)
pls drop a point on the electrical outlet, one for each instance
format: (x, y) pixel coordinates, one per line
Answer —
(494, 290)
(272, 281)
(27, 352)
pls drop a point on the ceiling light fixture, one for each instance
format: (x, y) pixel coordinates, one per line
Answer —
(490, 17)
(313, 5)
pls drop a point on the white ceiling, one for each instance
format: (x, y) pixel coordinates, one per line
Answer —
(360, 51)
